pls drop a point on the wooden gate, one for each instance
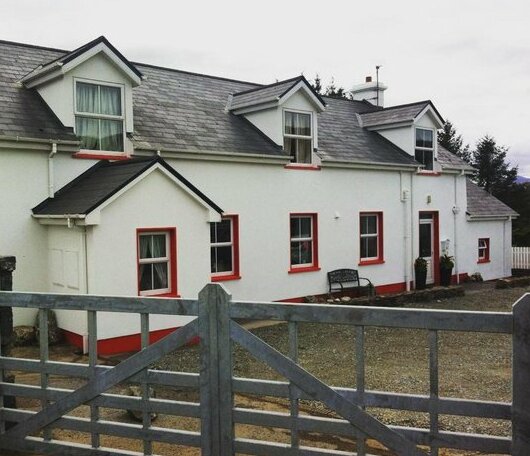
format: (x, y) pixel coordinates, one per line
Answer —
(219, 326)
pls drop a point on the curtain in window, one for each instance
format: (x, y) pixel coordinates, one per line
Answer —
(111, 135)
(110, 99)
(160, 269)
(87, 97)
(88, 131)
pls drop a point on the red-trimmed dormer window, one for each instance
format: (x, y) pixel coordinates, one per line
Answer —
(224, 249)
(483, 250)
(157, 263)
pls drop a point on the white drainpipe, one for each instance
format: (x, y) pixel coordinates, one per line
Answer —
(51, 187)
(405, 199)
(456, 210)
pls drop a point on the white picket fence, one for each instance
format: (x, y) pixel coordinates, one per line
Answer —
(521, 257)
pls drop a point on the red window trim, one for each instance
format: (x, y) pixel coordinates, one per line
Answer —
(172, 260)
(486, 259)
(380, 240)
(429, 173)
(235, 273)
(101, 155)
(305, 268)
(307, 167)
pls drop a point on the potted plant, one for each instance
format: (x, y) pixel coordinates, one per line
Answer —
(447, 264)
(420, 273)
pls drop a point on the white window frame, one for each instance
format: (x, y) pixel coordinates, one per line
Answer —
(288, 135)
(431, 149)
(303, 239)
(166, 259)
(483, 250)
(368, 235)
(101, 116)
(225, 244)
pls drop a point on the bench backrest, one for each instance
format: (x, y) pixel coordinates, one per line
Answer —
(343, 276)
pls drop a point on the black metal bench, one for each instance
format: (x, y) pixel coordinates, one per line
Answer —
(346, 279)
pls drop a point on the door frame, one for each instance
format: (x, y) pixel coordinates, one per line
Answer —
(436, 242)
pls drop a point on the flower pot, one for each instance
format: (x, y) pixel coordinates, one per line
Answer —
(420, 279)
(445, 276)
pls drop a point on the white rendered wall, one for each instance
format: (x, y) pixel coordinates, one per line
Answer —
(155, 202)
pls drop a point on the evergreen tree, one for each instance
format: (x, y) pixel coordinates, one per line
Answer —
(448, 138)
(333, 91)
(492, 172)
(518, 198)
(317, 84)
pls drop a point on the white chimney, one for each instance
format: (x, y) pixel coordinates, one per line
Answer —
(370, 91)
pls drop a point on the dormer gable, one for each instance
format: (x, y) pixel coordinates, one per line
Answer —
(412, 127)
(274, 95)
(59, 67)
(286, 112)
(90, 91)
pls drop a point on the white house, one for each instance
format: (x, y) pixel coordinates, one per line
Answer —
(120, 178)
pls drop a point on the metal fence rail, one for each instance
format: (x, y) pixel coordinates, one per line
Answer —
(218, 328)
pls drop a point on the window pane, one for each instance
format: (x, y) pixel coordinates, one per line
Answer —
(299, 149)
(424, 138)
(303, 151)
(111, 135)
(87, 98)
(425, 240)
(160, 280)
(110, 100)
(146, 271)
(369, 247)
(223, 231)
(424, 157)
(88, 131)
(146, 250)
(301, 252)
(297, 123)
(221, 258)
(368, 224)
(301, 227)
(159, 245)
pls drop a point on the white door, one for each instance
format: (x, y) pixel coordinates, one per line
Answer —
(427, 244)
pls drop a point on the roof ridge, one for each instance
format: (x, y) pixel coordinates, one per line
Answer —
(404, 105)
(194, 73)
(33, 46)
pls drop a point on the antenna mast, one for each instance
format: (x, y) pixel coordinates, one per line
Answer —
(377, 81)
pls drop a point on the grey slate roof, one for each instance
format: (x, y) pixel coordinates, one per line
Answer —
(340, 138)
(89, 190)
(22, 112)
(186, 112)
(393, 114)
(450, 160)
(481, 204)
(271, 92)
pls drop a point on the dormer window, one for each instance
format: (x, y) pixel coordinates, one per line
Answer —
(424, 151)
(99, 116)
(298, 136)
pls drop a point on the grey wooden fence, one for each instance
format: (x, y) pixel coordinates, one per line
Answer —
(218, 326)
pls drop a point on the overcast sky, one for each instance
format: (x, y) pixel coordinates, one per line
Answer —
(471, 57)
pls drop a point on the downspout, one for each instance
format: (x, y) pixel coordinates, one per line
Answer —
(404, 197)
(51, 186)
(411, 243)
(85, 248)
(455, 237)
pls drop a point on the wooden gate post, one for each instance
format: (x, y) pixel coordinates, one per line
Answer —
(216, 397)
(7, 266)
(521, 377)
